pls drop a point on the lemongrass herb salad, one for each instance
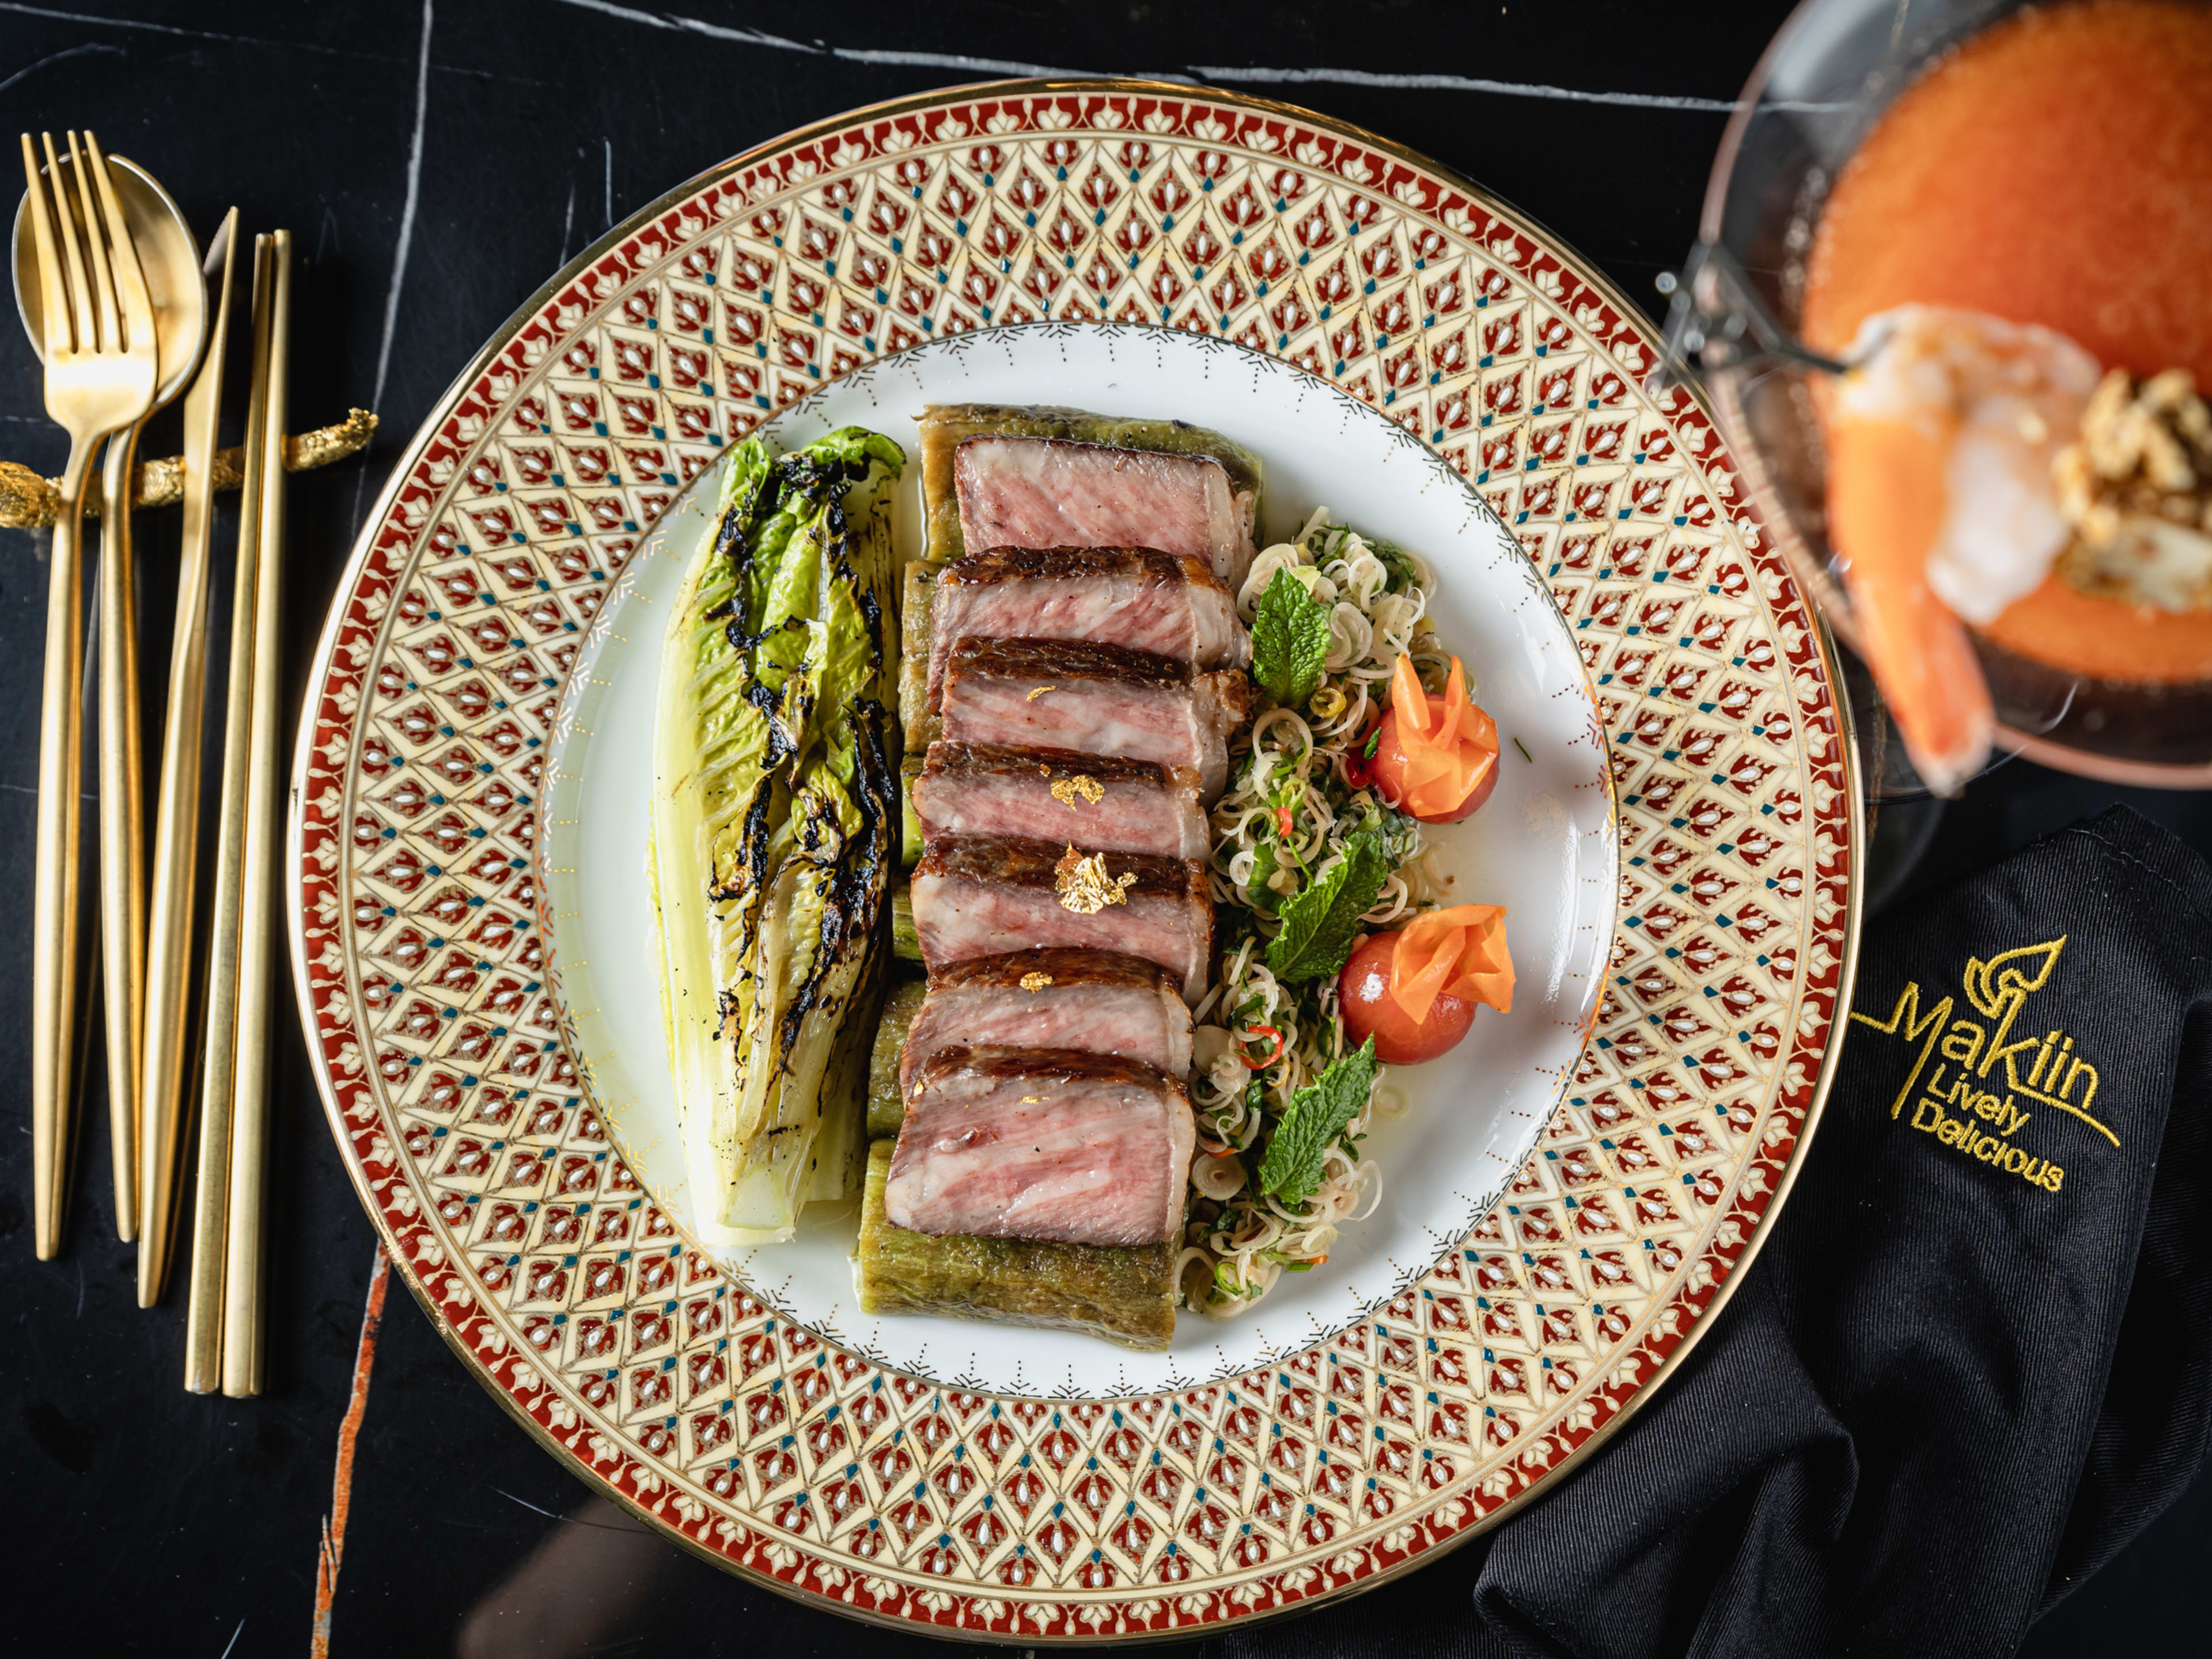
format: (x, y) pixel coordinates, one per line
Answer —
(1307, 853)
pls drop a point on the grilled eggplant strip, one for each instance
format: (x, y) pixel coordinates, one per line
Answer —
(917, 607)
(886, 1092)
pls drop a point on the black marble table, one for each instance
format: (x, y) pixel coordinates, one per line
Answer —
(436, 162)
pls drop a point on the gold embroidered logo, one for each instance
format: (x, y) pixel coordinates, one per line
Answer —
(2037, 1071)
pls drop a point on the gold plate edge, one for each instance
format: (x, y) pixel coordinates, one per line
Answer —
(326, 645)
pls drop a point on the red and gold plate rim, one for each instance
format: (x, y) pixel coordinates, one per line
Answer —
(1783, 770)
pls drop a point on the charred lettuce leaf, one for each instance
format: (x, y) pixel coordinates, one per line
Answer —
(775, 825)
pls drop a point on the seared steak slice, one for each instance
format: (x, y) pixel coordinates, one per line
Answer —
(1167, 604)
(945, 425)
(1059, 796)
(1042, 1143)
(1098, 699)
(1050, 492)
(1125, 1293)
(987, 895)
(1092, 1000)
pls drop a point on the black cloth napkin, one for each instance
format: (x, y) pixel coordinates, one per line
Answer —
(1975, 1355)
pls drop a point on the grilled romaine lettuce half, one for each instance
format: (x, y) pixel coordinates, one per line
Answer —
(775, 826)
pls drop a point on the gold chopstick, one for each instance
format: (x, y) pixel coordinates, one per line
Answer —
(176, 826)
(203, 1319)
(257, 928)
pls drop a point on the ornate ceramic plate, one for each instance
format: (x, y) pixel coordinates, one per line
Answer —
(435, 967)
(1547, 845)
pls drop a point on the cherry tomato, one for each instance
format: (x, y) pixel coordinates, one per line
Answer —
(1388, 770)
(1368, 1010)
(1359, 765)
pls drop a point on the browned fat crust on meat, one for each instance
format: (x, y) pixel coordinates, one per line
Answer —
(1054, 492)
(988, 895)
(1096, 801)
(1097, 1001)
(1167, 604)
(1096, 699)
(1048, 1143)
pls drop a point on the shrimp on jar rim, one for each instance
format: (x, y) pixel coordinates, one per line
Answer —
(1940, 500)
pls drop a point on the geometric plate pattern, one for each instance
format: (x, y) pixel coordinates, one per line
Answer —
(427, 966)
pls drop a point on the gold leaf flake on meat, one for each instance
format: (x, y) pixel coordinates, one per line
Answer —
(1039, 692)
(1035, 981)
(1084, 885)
(1082, 784)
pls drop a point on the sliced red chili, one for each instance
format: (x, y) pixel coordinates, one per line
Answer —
(1273, 1054)
(1283, 821)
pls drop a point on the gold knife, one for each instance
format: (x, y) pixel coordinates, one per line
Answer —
(176, 825)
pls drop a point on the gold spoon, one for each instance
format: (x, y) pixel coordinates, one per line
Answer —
(170, 259)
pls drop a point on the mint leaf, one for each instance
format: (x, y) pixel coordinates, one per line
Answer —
(1317, 1116)
(1290, 638)
(1318, 923)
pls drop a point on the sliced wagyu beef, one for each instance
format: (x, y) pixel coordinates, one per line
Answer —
(1096, 1001)
(946, 426)
(1074, 675)
(1125, 1293)
(1167, 603)
(1050, 492)
(986, 895)
(1060, 796)
(1098, 699)
(1049, 1143)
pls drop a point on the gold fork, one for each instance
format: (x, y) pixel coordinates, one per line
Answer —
(102, 365)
